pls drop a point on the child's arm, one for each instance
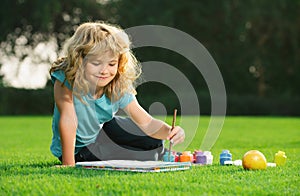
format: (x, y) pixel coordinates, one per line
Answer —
(151, 126)
(67, 123)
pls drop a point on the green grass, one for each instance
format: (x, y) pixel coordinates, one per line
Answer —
(28, 168)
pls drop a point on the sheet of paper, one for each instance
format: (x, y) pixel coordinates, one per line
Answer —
(135, 166)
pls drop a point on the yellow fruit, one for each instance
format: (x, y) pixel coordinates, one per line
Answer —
(254, 159)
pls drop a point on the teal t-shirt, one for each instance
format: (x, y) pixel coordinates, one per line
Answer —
(90, 116)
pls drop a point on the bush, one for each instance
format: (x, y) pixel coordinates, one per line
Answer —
(253, 105)
(40, 102)
(26, 102)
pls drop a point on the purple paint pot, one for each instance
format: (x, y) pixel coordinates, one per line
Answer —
(201, 158)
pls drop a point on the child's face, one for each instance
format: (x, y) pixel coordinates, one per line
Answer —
(101, 70)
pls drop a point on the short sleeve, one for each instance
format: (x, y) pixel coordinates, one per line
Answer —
(60, 76)
(125, 100)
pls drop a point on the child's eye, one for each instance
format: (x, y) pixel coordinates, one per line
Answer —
(112, 64)
(96, 63)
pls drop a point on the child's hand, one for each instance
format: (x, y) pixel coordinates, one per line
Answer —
(176, 135)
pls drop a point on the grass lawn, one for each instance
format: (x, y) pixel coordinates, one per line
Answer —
(28, 168)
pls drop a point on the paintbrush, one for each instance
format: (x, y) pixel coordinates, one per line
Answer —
(173, 125)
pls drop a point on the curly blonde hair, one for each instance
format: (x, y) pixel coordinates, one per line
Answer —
(94, 38)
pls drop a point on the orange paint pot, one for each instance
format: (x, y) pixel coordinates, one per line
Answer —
(186, 156)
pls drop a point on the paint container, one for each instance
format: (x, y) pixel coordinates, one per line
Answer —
(195, 154)
(201, 158)
(225, 156)
(209, 157)
(166, 157)
(176, 159)
(280, 158)
(186, 156)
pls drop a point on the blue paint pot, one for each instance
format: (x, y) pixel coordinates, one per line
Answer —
(225, 156)
(166, 157)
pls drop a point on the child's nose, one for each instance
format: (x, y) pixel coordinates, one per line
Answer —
(103, 69)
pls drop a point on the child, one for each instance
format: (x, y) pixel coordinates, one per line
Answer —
(94, 81)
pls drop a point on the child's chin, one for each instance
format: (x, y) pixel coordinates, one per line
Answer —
(101, 84)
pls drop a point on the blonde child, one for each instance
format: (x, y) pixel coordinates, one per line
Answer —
(91, 83)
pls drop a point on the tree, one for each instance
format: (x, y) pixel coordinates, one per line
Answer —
(26, 24)
(255, 43)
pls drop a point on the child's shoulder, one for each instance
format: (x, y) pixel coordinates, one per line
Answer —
(61, 77)
(126, 99)
(58, 72)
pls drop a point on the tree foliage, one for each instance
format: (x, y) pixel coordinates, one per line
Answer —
(255, 43)
(45, 18)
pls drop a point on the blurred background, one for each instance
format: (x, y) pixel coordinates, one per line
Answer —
(255, 43)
